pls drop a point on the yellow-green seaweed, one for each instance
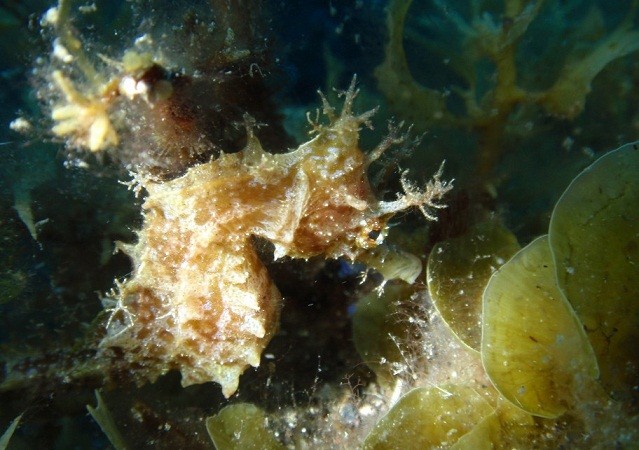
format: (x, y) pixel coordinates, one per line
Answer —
(241, 426)
(533, 347)
(429, 418)
(594, 236)
(457, 273)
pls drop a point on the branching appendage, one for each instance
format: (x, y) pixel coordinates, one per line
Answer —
(120, 318)
(83, 119)
(346, 125)
(394, 137)
(425, 199)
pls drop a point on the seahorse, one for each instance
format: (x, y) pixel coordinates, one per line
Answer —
(200, 300)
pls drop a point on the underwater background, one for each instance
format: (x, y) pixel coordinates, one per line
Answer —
(517, 97)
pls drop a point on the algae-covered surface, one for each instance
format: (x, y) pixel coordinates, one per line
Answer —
(437, 251)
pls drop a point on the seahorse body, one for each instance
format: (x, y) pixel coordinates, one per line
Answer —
(200, 300)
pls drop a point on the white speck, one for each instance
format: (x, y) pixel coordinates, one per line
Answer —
(50, 17)
(61, 52)
(20, 125)
(567, 143)
(145, 38)
(127, 87)
(590, 153)
(85, 9)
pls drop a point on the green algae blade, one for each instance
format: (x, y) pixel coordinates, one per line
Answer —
(594, 236)
(241, 427)
(429, 418)
(6, 436)
(458, 271)
(103, 417)
(533, 347)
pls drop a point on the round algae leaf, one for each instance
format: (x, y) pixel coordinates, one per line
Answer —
(380, 330)
(458, 271)
(533, 346)
(241, 427)
(429, 418)
(594, 236)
